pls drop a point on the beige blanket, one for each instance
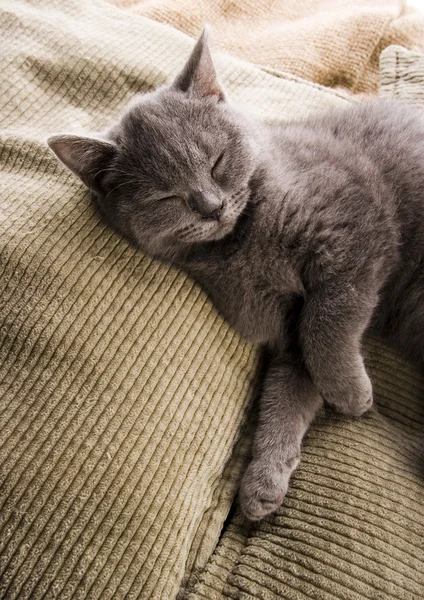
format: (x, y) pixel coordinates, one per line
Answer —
(336, 43)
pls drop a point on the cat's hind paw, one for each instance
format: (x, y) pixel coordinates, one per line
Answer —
(263, 488)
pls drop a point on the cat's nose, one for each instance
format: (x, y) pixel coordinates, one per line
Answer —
(209, 206)
(214, 215)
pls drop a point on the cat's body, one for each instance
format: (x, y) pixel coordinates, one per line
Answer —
(350, 207)
(304, 235)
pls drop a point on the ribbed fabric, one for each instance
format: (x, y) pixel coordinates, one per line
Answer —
(352, 524)
(122, 391)
(332, 42)
(402, 74)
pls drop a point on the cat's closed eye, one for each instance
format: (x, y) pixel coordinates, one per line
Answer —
(217, 164)
(169, 198)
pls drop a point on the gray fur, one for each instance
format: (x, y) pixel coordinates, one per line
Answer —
(304, 235)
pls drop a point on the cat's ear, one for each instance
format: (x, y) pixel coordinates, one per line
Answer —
(198, 77)
(86, 157)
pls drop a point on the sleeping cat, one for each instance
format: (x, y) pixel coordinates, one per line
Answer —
(305, 236)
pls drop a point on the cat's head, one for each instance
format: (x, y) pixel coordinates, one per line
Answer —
(174, 170)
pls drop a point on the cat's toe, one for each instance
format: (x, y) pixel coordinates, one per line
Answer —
(362, 407)
(352, 402)
(262, 490)
(351, 407)
(260, 504)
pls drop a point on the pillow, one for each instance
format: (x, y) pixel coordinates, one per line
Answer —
(123, 392)
(402, 74)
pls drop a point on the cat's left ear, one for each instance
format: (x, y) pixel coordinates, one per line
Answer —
(198, 77)
(86, 157)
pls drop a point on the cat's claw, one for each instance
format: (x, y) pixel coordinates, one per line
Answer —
(263, 488)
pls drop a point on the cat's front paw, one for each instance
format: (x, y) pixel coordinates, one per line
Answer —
(352, 400)
(264, 486)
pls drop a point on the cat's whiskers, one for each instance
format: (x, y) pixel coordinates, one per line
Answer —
(186, 233)
(110, 170)
(130, 181)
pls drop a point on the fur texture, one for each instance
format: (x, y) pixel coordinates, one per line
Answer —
(304, 235)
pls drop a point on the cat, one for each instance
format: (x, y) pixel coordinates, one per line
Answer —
(305, 236)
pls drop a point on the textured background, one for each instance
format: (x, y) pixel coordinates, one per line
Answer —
(332, 42)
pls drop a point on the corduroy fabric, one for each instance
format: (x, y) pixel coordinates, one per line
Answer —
(122, 391)
(352, 524)
(331, 42)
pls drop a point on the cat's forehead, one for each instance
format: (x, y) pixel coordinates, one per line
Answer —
(173, 122)
(169, 142)
(164, 147)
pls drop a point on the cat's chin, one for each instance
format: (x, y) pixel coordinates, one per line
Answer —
(209, 233)
(222, 229)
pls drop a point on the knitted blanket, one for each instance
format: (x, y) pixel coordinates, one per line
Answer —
(402, 74)
(331, 42)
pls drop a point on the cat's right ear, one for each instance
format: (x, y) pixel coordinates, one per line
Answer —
(86, 157)
(198, 77)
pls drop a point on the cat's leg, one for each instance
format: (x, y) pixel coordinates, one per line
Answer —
(288, 404)
(331, 329)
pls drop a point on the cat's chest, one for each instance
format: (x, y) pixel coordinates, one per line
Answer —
(251, 281)
(248, 295)
(258, 313)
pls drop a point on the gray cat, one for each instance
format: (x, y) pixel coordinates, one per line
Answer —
(305, 236)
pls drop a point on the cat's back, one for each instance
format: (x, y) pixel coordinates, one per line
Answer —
(327, 201)
(355, 175)
(390, 135)
(386, 134)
